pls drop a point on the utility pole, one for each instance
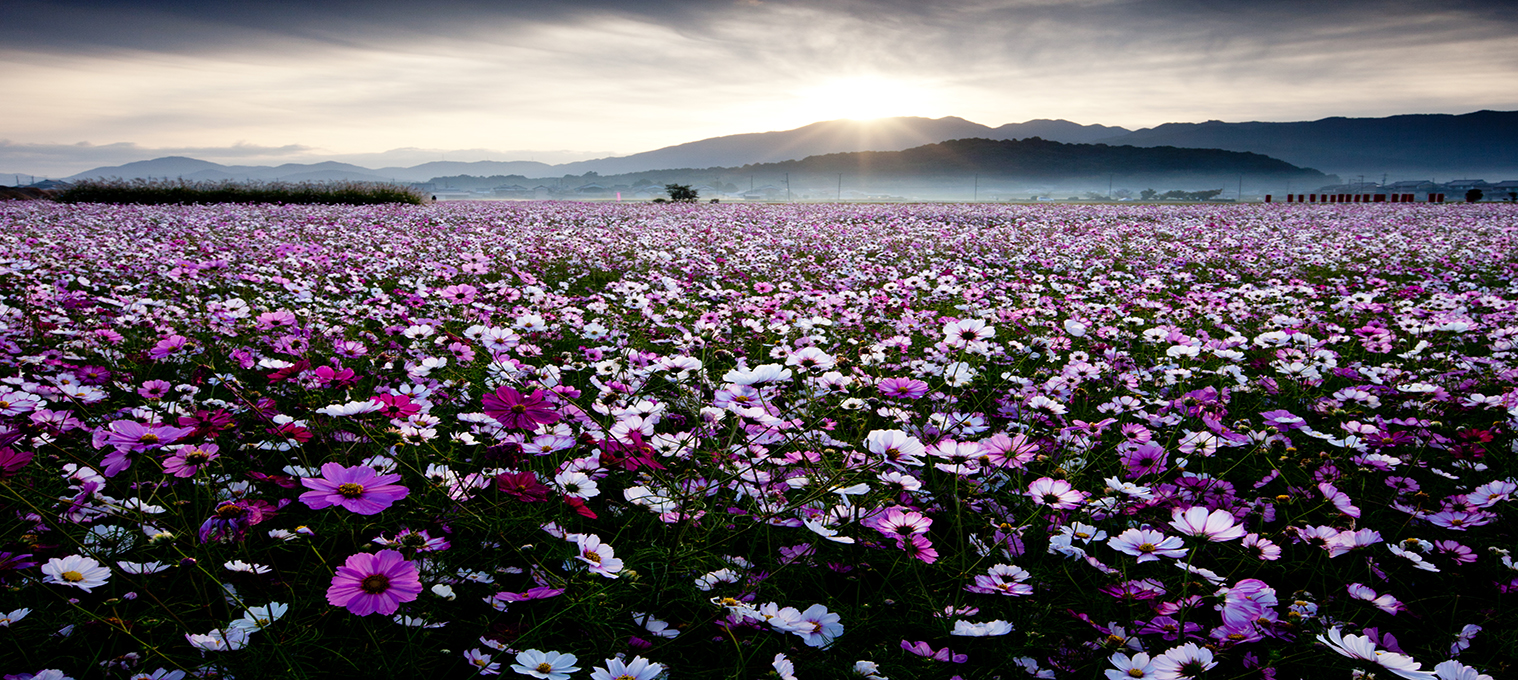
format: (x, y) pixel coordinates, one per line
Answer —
(787, 187)
(976, 196)
(1109, 186)
(1240, 199)
(840, 187)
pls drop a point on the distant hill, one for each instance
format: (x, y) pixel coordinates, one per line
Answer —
(1040, 159)
(836, 136)
(1480, 144)
(1484, 142)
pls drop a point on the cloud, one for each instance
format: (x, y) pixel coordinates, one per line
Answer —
(632, 75)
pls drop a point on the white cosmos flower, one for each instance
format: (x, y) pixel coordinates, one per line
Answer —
(759, 374)
(987, 629)
(259, 618)
(824, 531)
(75, 570)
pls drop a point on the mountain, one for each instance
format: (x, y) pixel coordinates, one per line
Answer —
(1042, 160)
(1480, 144)
(1419, 145)
(835, 136)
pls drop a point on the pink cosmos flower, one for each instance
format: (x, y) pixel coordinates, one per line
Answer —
(12, 461)
(1386, 603)
(1056, 493)
(897, 523)
(1147, 544)
(907, 388)
(189, 459)
(360, 489)
(130, 436)
(523, 486)
(921, 648)
(396, 405)
(368, 584)
(1002, 579)
(1217, 526)
(1264, 549)
(513, 410)
(1003, 451)
(1340, 499)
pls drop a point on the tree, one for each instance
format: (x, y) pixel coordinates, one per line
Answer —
(1474, 196)
(1148, 194)
(681, 193)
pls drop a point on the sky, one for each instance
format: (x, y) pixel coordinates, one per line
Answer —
(380, 82)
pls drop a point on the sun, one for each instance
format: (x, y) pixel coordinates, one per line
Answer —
(861, 98)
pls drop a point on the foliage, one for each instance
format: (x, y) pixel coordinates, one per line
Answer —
(859, 441)
(680, 193)
(159, 192)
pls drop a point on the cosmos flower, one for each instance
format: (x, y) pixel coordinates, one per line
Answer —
(1125, 667)
(545, 665)
(921, 648)
(75, 570)
(515, 411)
(1058, 494)
(1185, 661)
(232, 519)
(600, 556)
(1216, 526)
(368, 584)
(987, 629)
(188, 460)
(359, 489)
(1147, 544)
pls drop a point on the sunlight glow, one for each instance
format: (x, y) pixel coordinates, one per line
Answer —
(863, 98)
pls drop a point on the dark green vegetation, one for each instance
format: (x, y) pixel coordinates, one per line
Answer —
(159, 192)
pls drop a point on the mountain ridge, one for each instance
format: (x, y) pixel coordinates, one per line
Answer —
(1409, 145)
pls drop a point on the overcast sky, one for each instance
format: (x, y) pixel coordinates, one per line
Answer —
(89, 83)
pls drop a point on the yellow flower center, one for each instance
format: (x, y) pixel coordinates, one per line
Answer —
(148, 438)
(1135, 672)
(1146, 547)
(544, 667)
(72, 576)
(593, 557)
(350, 490)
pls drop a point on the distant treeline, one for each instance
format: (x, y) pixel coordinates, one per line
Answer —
(156, 192)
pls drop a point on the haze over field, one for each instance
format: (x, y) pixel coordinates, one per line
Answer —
(383, 83)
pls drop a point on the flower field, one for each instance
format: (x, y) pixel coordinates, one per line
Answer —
(798, 441)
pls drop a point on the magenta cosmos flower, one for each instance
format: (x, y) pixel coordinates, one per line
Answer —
(514, 410)
(368, 584)
(359, 488)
